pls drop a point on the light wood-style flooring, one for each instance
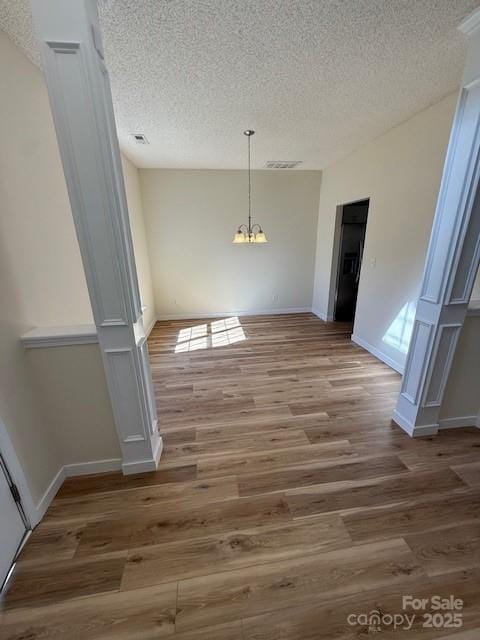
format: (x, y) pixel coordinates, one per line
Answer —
(285, 501)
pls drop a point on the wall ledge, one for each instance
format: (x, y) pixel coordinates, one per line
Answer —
(59, 336)
(64, 336)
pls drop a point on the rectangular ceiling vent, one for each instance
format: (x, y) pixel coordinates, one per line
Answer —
(140, 138)
(282, 164)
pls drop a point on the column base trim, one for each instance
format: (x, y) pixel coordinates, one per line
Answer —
(141, 466)
(414, 431)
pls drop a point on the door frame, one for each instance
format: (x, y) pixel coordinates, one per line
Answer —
(337, 243)
(15, 471)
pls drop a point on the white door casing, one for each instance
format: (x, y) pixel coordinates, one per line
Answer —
(13, 527)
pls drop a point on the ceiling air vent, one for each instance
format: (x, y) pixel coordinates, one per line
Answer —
(282, 164)
(140, 138)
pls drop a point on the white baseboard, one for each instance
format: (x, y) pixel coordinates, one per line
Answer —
(220, 314)
(378, 354)
(148, 330)
(96, 466)
(462, 421)
(323, 316)
(48, 496)
(68, 471)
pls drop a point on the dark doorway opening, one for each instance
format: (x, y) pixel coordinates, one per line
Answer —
(352, 241)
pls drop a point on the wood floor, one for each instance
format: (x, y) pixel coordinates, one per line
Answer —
(285, 501)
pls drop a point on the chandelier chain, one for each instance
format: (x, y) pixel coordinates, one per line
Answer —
(249, 192)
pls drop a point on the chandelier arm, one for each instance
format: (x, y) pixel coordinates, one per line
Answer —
(243, 226)
(256, 225)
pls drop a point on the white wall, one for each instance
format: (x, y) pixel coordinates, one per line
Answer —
(400, 172)
(191, 217)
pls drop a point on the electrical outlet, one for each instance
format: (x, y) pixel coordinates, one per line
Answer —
(275, 297)
(373, 263)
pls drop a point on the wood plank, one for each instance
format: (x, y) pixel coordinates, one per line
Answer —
(454, 548)
(326, 473)
(263, 441)
(331, 620)
(469, 473)
(52, 541)
(116, 481)
(142, 614)
(180, 524)
(102, 506)
(221, 552)
(428, 515)
(258, 462)
(355, 494)
(242, 593)
(41, 584)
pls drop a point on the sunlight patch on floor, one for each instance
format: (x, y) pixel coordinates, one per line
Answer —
(220, 333)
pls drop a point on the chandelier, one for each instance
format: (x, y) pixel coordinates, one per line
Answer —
(249, 233)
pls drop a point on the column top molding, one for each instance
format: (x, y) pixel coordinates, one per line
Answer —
(471, 23)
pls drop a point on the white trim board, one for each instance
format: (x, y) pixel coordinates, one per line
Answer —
(65, 336)
(473, 308)
(48, 496)
(97, 466)
(456, 423)
(323, 316)
(15, 470)
(378, 354)
(68, 471)
(59, 336)
(220, 314)
(148, 330)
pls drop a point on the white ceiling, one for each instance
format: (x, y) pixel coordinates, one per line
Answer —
(315, 78)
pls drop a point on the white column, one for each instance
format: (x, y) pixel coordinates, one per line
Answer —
(81, 103)
(452, 260)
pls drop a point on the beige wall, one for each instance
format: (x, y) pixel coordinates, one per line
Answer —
(39, 242)
(400, 172)
(34, 266)
(53, 401)
(74, 401)
(139, 237)
(191, 217)
(461, 397)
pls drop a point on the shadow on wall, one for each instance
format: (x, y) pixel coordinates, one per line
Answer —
(220, 334)
(399, 332)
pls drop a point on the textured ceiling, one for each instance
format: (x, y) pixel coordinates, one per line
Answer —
(315, 78)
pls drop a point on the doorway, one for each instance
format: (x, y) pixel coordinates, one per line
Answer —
(350, 254)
